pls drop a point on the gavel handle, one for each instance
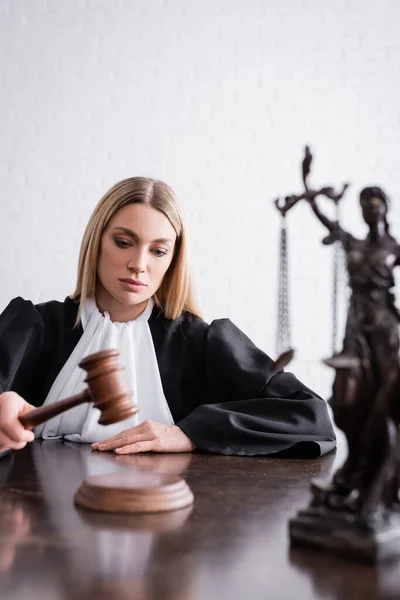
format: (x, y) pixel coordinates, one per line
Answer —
(37, 416)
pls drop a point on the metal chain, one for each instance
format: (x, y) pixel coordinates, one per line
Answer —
(283, 333)
(339, 276)
(335, 307)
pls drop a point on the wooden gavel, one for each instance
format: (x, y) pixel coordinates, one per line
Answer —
(106, 389)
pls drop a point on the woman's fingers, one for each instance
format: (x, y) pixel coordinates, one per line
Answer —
(15, 431)
(11, 406)
(148, 437)
(123, 440)
(7, 443)
(147, 446)
(127, 436)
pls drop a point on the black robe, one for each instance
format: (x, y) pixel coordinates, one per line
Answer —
(219, 386)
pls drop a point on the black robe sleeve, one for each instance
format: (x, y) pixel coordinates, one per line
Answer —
(21, 344)
(35, 342)
(251, 410)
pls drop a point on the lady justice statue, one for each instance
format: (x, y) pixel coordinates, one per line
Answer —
(355, 511)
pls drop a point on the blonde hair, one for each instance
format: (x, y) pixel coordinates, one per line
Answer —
(175, 294)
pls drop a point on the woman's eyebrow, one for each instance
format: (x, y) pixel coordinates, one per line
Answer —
(135, 236)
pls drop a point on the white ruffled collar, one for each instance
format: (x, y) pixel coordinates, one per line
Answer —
(134, 342)
(91, 307)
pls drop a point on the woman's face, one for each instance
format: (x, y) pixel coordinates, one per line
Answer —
(373, 210)
(136, 250)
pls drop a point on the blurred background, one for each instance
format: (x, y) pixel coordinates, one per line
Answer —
(218, 99)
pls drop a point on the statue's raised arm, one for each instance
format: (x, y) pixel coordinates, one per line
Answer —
(311, 194)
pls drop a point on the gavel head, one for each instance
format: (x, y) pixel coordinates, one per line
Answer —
(107, 387)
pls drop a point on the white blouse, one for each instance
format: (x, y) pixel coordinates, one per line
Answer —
(134, 342)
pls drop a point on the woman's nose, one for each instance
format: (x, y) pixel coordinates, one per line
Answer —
(137, 262)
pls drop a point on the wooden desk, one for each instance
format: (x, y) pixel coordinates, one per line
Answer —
(232, 544)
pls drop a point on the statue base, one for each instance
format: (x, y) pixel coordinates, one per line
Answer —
(341, 532)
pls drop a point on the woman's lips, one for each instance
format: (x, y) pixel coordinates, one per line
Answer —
(132, 285)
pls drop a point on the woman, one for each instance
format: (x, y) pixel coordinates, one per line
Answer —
(197, 385)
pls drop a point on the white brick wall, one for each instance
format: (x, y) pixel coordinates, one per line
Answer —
(218, 98)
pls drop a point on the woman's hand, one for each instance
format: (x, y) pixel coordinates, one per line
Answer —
(12, 433)
(147, 437)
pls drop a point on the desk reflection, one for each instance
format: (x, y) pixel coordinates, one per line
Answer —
(233, 543)
(336, 579)
(97, 555)
(15, 526)
(116, 549)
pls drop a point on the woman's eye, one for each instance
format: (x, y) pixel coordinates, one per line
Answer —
(122, 243)
(159, 252)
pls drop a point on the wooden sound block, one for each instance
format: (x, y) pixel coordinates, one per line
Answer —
(138, 492)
